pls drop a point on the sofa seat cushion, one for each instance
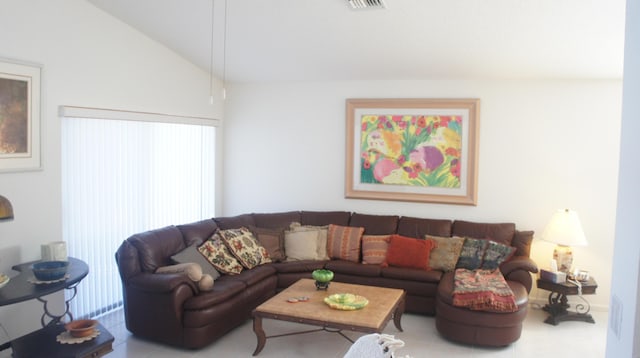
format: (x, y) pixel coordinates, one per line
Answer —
(445, 291)
(223, 291)
(299, 266)
(352, 268)
(255, 275)
(403, 273)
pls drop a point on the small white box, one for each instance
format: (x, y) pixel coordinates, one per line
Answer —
(555, 277)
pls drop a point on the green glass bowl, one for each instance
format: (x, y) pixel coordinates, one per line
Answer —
(322, 275)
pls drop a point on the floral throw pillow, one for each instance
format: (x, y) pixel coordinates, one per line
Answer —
(215, 251)
(245, 247)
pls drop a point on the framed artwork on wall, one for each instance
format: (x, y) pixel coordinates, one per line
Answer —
(20, 98)
(420, 150)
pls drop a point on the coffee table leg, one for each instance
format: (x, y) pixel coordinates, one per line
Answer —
(397, 315)
(262, 338)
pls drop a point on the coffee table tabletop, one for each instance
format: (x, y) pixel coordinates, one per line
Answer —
(384, 304)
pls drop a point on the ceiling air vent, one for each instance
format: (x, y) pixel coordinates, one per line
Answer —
(367, 4)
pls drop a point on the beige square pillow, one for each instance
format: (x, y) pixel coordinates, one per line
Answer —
(374, 248)
(444, 255)
(245, 247)
(272, 240)
(321, 249)
(301, 245)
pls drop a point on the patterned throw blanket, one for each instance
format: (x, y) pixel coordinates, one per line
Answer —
(483, 290)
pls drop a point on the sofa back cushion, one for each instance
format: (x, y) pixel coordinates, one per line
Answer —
(323, 218)
(375, 224)
(196, 233)
(276, 220)
(155, 247)
(235, 222)
(522, 243)
(418, 227)
(502, 232)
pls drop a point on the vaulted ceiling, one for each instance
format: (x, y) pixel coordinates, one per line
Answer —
(316, 40)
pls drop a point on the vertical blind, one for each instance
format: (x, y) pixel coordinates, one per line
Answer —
(121, 177)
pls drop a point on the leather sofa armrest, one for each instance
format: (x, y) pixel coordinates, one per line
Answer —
(519, 269)
(159, 283)
(518, 263)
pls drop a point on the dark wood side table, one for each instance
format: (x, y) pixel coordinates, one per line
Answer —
(42, 344)
(558, 304)
(20, 288)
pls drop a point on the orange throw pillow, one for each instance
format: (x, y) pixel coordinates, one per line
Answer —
(408, 252)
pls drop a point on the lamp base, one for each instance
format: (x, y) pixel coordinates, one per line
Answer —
(564, 257)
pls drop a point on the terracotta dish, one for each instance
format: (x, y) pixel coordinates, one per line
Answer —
(81, 327)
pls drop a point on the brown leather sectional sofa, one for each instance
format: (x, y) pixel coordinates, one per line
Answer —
(168, 308)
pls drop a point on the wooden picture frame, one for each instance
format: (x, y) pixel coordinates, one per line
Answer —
(20, 104)
(419, 150)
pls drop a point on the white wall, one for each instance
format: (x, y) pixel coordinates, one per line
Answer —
(623, 337)
(544, 145)
(89, 59)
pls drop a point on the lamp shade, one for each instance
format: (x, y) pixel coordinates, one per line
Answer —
(6, 210)
(565, 229)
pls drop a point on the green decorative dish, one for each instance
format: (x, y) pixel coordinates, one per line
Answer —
(346, 301)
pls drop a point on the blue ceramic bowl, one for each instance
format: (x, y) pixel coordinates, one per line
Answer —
(50, 270)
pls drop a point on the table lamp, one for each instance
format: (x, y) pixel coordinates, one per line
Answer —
(6, 210)
(565, 230)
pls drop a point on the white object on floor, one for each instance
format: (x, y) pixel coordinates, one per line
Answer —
(374, 346)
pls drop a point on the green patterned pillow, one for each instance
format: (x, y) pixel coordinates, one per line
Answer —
(496, 254)
(245, 247)
(471, 254)
(215, 251)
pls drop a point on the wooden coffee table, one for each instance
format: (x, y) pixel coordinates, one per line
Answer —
(384, 303)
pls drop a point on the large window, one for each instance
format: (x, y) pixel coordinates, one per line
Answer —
(124, 173)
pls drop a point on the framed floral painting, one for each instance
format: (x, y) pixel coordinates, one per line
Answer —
(422, 150)
(19, 116)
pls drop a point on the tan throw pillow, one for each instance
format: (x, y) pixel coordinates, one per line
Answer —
(343, 242)
(301, 245)
(374, 248)
(215, 251)
(272, 240)
(321, 247)
(192, 270)
(245, 247)
(444, 255)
